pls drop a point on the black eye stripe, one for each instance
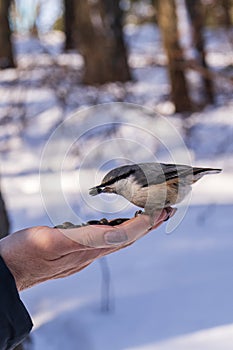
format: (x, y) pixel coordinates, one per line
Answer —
(117, 178)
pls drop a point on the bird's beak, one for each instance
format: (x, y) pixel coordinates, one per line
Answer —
(95, 190)
(98, 189)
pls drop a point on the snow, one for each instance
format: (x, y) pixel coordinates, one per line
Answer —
(168, 291)
(214, 338)
(165, 290)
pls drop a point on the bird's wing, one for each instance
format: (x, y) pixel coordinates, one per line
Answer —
(157, 173)
(154, 173)
(146, 173)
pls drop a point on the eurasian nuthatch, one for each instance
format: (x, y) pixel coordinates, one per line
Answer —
(152, 186)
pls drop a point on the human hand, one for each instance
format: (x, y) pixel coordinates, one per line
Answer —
(40, 253)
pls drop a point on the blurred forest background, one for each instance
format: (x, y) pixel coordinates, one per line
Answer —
(95, 31)
(56, 57)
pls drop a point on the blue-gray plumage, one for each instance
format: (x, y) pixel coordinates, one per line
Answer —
(152, 185)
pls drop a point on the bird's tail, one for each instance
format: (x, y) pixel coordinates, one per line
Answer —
(95, 190)
(199, 172)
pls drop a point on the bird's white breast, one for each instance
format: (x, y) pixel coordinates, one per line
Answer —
(127, 188)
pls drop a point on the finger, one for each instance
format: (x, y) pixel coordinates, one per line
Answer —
(159, 218)
(170, 212)
(95, 236)
(140, 227)
(99, 236)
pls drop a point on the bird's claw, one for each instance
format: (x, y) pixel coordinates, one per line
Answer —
(138, 212)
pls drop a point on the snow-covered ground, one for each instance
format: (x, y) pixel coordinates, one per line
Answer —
(168, 291)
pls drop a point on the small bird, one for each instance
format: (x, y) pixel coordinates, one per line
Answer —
(152, 186)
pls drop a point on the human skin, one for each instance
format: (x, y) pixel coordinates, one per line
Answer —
(40, 253)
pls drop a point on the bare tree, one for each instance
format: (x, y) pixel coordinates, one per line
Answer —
(194, 8)
(99, 35)
(6, 52)
(226, 7)
(167, 19)
(4, 220)
(69, 24)
(106, 297)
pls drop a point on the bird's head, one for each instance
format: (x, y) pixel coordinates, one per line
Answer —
(116, 181)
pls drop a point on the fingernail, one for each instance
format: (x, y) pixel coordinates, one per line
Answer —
(115, 237)
(170, 213)
(161, 217)
(174, 210)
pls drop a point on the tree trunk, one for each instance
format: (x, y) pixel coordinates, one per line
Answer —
(4, 220)
(194, 8)
(6, 53)
(100, 40)
(167, 20)
(69, 23)
(226, 7)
